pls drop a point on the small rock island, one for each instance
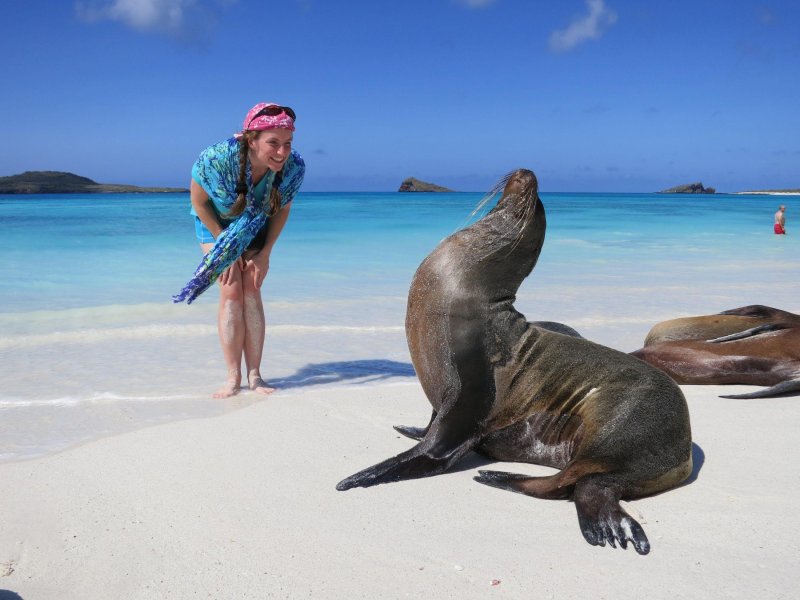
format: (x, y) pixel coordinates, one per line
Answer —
(415, 185)
(58, 182)
(689, 188)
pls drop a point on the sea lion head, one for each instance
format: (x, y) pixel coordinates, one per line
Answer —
(520, 189)
(487, 261)
(509, 238)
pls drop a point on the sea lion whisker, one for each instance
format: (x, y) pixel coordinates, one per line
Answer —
(494, 191)
(529, 209)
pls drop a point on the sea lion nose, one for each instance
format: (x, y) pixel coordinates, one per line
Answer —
(521, 179)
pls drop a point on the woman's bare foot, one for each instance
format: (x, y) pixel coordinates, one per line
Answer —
(257, 384)
(231, 387)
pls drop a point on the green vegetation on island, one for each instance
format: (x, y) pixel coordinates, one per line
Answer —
(689, 188)
(57, 182)
(415, 185)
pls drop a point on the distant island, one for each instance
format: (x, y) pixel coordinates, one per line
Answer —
(689, 188)
(57, 182)
(415, 185)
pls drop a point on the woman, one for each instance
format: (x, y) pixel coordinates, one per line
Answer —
(241, 193)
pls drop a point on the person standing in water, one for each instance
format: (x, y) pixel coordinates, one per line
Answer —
(780, 220)
(241, 193)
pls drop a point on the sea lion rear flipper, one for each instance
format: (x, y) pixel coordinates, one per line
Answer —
(554, 487)
(784, 387)
(538, 487)
(602, 519)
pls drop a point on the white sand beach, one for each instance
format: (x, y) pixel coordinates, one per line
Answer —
(244, 506)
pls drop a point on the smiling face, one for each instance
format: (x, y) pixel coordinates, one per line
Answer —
(270, 149)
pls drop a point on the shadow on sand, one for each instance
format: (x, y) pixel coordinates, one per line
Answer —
(356, 371)
(698, 458)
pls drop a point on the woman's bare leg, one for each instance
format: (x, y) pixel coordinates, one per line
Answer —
(255, 326)
(231, 329)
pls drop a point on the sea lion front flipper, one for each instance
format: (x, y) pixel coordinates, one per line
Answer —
(456, 427)
(415, 433)
(449, 437)
(423, 460)
(753, 331)
(602, 519)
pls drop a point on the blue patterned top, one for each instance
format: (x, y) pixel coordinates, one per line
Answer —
(217, 171)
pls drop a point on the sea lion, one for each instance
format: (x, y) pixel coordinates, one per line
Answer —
(757, 356)
(745, 319)
(513, 391)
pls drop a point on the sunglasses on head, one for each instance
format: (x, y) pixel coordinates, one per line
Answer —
(273, 111)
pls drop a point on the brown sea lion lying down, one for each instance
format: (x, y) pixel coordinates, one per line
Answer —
(751, 345)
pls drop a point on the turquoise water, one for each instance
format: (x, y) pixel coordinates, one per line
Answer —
(91, 345)
(70, 251)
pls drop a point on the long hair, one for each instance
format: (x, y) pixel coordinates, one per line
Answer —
(241, 185)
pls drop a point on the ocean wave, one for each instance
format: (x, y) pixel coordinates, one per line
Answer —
(92, 336)
(97, 397)
(150, 332)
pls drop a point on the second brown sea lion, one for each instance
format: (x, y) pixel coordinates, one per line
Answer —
(744, 320)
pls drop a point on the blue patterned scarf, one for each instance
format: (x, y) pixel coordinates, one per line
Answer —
(230, 245)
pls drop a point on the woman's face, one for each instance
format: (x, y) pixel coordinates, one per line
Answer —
(271, 148)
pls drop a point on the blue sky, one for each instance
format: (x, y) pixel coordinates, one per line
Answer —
(593, 95)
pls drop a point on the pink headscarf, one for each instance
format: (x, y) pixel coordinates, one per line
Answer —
(279, 121)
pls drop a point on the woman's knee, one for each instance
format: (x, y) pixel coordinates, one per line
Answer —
(233, 290)
(249, 286)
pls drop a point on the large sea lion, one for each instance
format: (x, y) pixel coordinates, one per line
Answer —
(745, 320)
(513, 391)
(756, 356)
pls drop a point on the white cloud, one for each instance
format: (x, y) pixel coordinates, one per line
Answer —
(588, 27)
(138, 14)
(150, 15)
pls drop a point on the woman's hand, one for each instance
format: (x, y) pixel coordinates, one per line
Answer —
(257, 267)
(229, 273)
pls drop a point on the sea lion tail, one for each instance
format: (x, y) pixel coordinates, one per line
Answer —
(784, 387)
